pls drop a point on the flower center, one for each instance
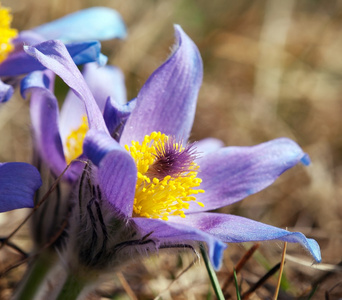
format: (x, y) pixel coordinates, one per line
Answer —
(167, 176)
(74, 142)
(6, 33)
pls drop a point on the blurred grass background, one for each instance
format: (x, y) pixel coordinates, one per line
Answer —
(272, 68)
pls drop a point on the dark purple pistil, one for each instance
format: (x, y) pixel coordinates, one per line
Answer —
(171, 161)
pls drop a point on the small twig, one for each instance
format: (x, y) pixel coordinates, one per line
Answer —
(240, 264)
(58, 233)
(280, 272)
(11, 267)
(327, 293)
(13, 246)
(197, 257)
(24, 260)
(261, 281)
(323, 278)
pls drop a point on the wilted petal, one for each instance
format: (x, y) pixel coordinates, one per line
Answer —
(6, 92)
(96, 23)
(233, 173)
(235, 229)
(21, 63)
(170, 233)
(167, 101)
(18, 183)
(117, 173)
(54, 56)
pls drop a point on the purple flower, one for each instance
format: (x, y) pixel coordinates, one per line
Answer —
(79, 31)
(153, 190)
(18, 183)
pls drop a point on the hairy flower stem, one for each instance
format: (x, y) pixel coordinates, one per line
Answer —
(72, 288)
(34, 277)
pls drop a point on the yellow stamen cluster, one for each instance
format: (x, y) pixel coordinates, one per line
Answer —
(159, 198)
(74, 142)
(6, 33)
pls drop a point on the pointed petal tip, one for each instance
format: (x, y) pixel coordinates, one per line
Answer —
(102, 60)
(236, 229)
(169, 96)
(217, 254)
(28, 49)
(310, 245)
(178, 29)
(315, 250)
(306, 160)
(292, 147)
(54, 55)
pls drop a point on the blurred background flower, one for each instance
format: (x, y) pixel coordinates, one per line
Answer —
(81, 31)
(272, 68)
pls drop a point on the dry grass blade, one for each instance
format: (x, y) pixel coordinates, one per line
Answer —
(126, 286)
(280, 272)
(321, 266)
(260, 282)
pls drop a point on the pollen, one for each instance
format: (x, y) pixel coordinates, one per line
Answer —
(167, 179)
(74, 142)
(6, 33)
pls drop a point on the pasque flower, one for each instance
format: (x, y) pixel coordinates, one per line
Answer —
(18, 183)
(149, 188)
(79, 31)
